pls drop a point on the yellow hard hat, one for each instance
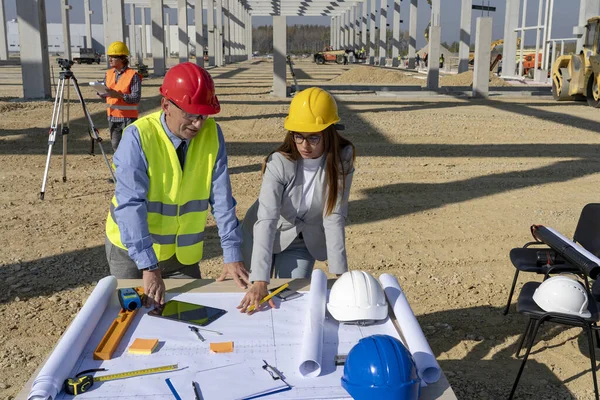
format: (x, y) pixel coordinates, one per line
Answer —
(117, 49)
(311, 110)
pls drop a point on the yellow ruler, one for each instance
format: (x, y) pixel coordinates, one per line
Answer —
(129, 374)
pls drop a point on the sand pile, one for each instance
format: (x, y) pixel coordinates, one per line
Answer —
(363, 74)
(466, 79)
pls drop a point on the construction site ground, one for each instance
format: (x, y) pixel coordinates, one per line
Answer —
(444, 187)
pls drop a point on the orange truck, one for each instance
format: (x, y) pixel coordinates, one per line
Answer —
(529, 64)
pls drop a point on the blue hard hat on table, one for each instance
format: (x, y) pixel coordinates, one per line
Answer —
(380, 367)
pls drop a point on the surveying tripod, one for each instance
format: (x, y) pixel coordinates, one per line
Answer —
(66, 76)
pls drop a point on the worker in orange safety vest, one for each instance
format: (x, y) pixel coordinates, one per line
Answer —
(123, 94)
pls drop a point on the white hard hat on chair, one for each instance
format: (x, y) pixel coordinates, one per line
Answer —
(357, 297)
(563, 295)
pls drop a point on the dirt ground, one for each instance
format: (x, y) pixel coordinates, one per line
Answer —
(444, 188)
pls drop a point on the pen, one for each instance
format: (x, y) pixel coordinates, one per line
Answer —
(269, 296)
(197, 332)
(196, 392)
(172, 388)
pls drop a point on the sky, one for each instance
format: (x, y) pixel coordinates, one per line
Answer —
(565, 17)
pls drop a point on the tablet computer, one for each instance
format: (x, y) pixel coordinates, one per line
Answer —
(99, 86)
(189, 313)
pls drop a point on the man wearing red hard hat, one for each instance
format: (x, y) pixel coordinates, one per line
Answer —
(170, 166)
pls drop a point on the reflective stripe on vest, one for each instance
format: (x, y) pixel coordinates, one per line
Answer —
(116, 107)
(119, 107)
(177, 201)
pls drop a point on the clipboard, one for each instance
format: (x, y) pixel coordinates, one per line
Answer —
(258, 380)
(100, 87)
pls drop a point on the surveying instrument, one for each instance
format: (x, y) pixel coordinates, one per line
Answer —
(66, 76)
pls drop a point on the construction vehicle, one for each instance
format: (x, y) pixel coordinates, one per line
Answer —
(88, 56)
(576, 76)
(529, 64)
(337, 56)
(493, 45)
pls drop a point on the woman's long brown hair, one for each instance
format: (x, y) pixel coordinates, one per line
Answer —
(336, 170)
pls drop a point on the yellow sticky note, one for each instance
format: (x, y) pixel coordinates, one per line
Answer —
(143, 346)
(221, 347)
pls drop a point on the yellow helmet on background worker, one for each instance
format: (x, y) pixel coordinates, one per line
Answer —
(117, 49)
(311, 110)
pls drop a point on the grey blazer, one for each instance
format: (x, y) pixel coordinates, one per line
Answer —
(272, 223)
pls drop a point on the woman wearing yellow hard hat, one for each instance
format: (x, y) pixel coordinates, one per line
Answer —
(300, 214)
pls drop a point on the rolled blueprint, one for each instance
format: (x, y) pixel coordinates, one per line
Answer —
(427, 366)
(312, 340)
(57, 368)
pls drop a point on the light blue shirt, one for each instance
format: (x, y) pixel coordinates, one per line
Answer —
(132, 189)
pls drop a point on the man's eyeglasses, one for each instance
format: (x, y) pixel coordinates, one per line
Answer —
(190, 117)
(313, 140)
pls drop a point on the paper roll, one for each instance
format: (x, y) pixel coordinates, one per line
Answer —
(312, 339)
(427, 366)
(59, 365)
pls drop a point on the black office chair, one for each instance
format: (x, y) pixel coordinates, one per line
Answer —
(587, 234)
(527, 306)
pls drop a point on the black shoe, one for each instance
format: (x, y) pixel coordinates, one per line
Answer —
(110, 180)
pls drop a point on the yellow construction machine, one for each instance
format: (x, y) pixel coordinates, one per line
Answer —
(576, 76)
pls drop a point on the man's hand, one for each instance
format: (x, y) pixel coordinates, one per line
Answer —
(257, 292)
(113, 93)
(154, 288)
(237, 272)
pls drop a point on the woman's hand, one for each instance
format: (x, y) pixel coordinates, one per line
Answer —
(255, 294)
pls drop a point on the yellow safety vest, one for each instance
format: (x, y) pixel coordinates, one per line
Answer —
(177, 202)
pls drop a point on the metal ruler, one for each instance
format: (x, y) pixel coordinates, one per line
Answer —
(129, 374)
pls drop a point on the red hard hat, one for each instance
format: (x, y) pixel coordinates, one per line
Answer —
(191, 88)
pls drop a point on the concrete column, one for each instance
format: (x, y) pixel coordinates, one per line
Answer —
(481, 71)
(382, 32)
(587, 10)
(210, 10)
(168, 48)
(279, 53)
(182, 31)
(132, 47)
(332, 35)
(396, 34)
(435, 37)
(219, 33)
(351, 28)
(227, 31)
(243, 35)
(64, 12)
(433, 66)
(465, 35)
(331, 31)
(343, 30)
(144, 51)
(509, 49)
(87, 16)
(35, 67)
(357, 26)
(412, 34)
(235, 29)
(113, 12)
(158, 37)
(372, 32)
(364, 26)
(249, 43)
(3, 35)
(200, 39)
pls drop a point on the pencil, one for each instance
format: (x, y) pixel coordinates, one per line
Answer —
(269, 296)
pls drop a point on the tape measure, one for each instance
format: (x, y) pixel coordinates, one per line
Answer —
(82, 383)
(129, 299)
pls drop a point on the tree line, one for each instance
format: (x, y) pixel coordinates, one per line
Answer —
(308, 39)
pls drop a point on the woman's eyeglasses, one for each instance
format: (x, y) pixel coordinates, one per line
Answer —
(190, 117)
(313, 140)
